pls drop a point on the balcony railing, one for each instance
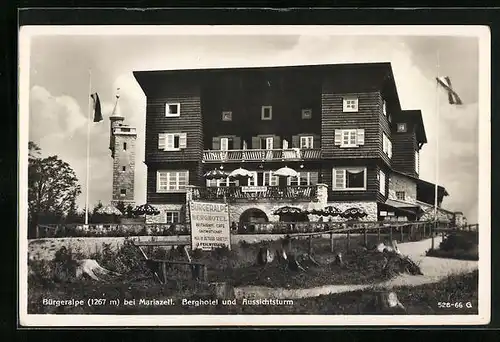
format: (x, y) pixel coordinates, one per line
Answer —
(232, 193)
(217, 156)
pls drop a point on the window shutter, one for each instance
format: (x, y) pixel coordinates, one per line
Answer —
(295, 141)
(389, 148)
(338, 137)
(316, 141)
(183, 140)
(276, 142)
(256, 143)
(224, 142)
(162, 141)
(382, 182)
(170, 141)
(338, 179)
(215, 143)
(360, 139)
(237, 143)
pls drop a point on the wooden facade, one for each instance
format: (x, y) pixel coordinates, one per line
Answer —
(229, 103)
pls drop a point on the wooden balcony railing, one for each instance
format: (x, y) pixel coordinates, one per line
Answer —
(217, 156)
(232, 193)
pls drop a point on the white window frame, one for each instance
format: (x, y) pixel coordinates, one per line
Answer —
(401, 192)
(381, 180)
(269, 143)
(384, 107)
(273, 180)
(405, 128)
(167, 109)
(227, 182)
(417, 162)
(306, 141)
(386, 145)
(297, 179)
(350, 104)
(168, 174)
(227, 113)
(349, 133)
(306, 113)
(172, 214)
(263, 110)
(166, 137)
(224, 144)
(344, 186)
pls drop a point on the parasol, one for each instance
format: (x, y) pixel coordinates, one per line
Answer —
(109, 210)
(286, 172)
(288, 210)
(215, 174)
(353, 213)
(240, 173)
(145, 209)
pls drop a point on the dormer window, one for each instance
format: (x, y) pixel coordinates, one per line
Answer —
(401, 127)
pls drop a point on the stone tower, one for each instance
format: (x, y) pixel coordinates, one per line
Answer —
(122, 142)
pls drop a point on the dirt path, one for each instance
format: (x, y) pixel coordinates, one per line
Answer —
(434, 269)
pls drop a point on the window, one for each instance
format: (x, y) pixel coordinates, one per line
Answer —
(171, 181)
(267, 143)
(267, 113)
(252, 181)
(224, 144)
(306, 142)
(270, 179)
(349, 137)
(381, 179)
(304, 178)
(123, 192)
(124, 146)
(172, 141)
(227, 116)
(386, 145)
(227, 182)
(349, 179)
(350, 104)
(306, 114)
(172, 109)
(172, 216)
(124, 168)
(400, 195)
(417, 162)
(401, 127)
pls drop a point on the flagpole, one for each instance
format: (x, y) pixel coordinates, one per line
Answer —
(437, 144)
(89, 118)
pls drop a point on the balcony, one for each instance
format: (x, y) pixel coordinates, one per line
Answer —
(259, 155)
(234, 193)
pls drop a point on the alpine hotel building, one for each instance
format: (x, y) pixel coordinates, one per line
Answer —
(341, 127)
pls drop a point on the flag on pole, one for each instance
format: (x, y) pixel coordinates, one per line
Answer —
(453, 97)
(97, 107)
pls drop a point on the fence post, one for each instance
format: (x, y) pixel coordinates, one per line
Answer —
(331, 242)
(401, 232)
(432, 235)
(348, 239)
(378, 234)
(310, 245)
(37, 231)
(390, 233)
(366, 237)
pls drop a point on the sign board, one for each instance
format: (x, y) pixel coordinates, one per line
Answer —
(253, 188)
(209, 225)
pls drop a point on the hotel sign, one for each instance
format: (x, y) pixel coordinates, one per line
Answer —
(209, 225)
(254, 188)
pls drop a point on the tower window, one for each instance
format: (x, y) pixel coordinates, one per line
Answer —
(123, 192)
(124, 146)
(124, 168)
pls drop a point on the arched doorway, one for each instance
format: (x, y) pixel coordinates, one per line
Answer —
(251, 216)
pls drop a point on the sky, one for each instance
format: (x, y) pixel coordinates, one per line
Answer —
(59, 92)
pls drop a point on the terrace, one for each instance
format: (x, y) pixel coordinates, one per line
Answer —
(257, 155)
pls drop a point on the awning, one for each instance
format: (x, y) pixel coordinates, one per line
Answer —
(408, 208)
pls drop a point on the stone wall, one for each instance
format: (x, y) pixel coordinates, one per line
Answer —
(162, 217)
(402, 183)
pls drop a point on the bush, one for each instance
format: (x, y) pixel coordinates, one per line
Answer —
(459, 241)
